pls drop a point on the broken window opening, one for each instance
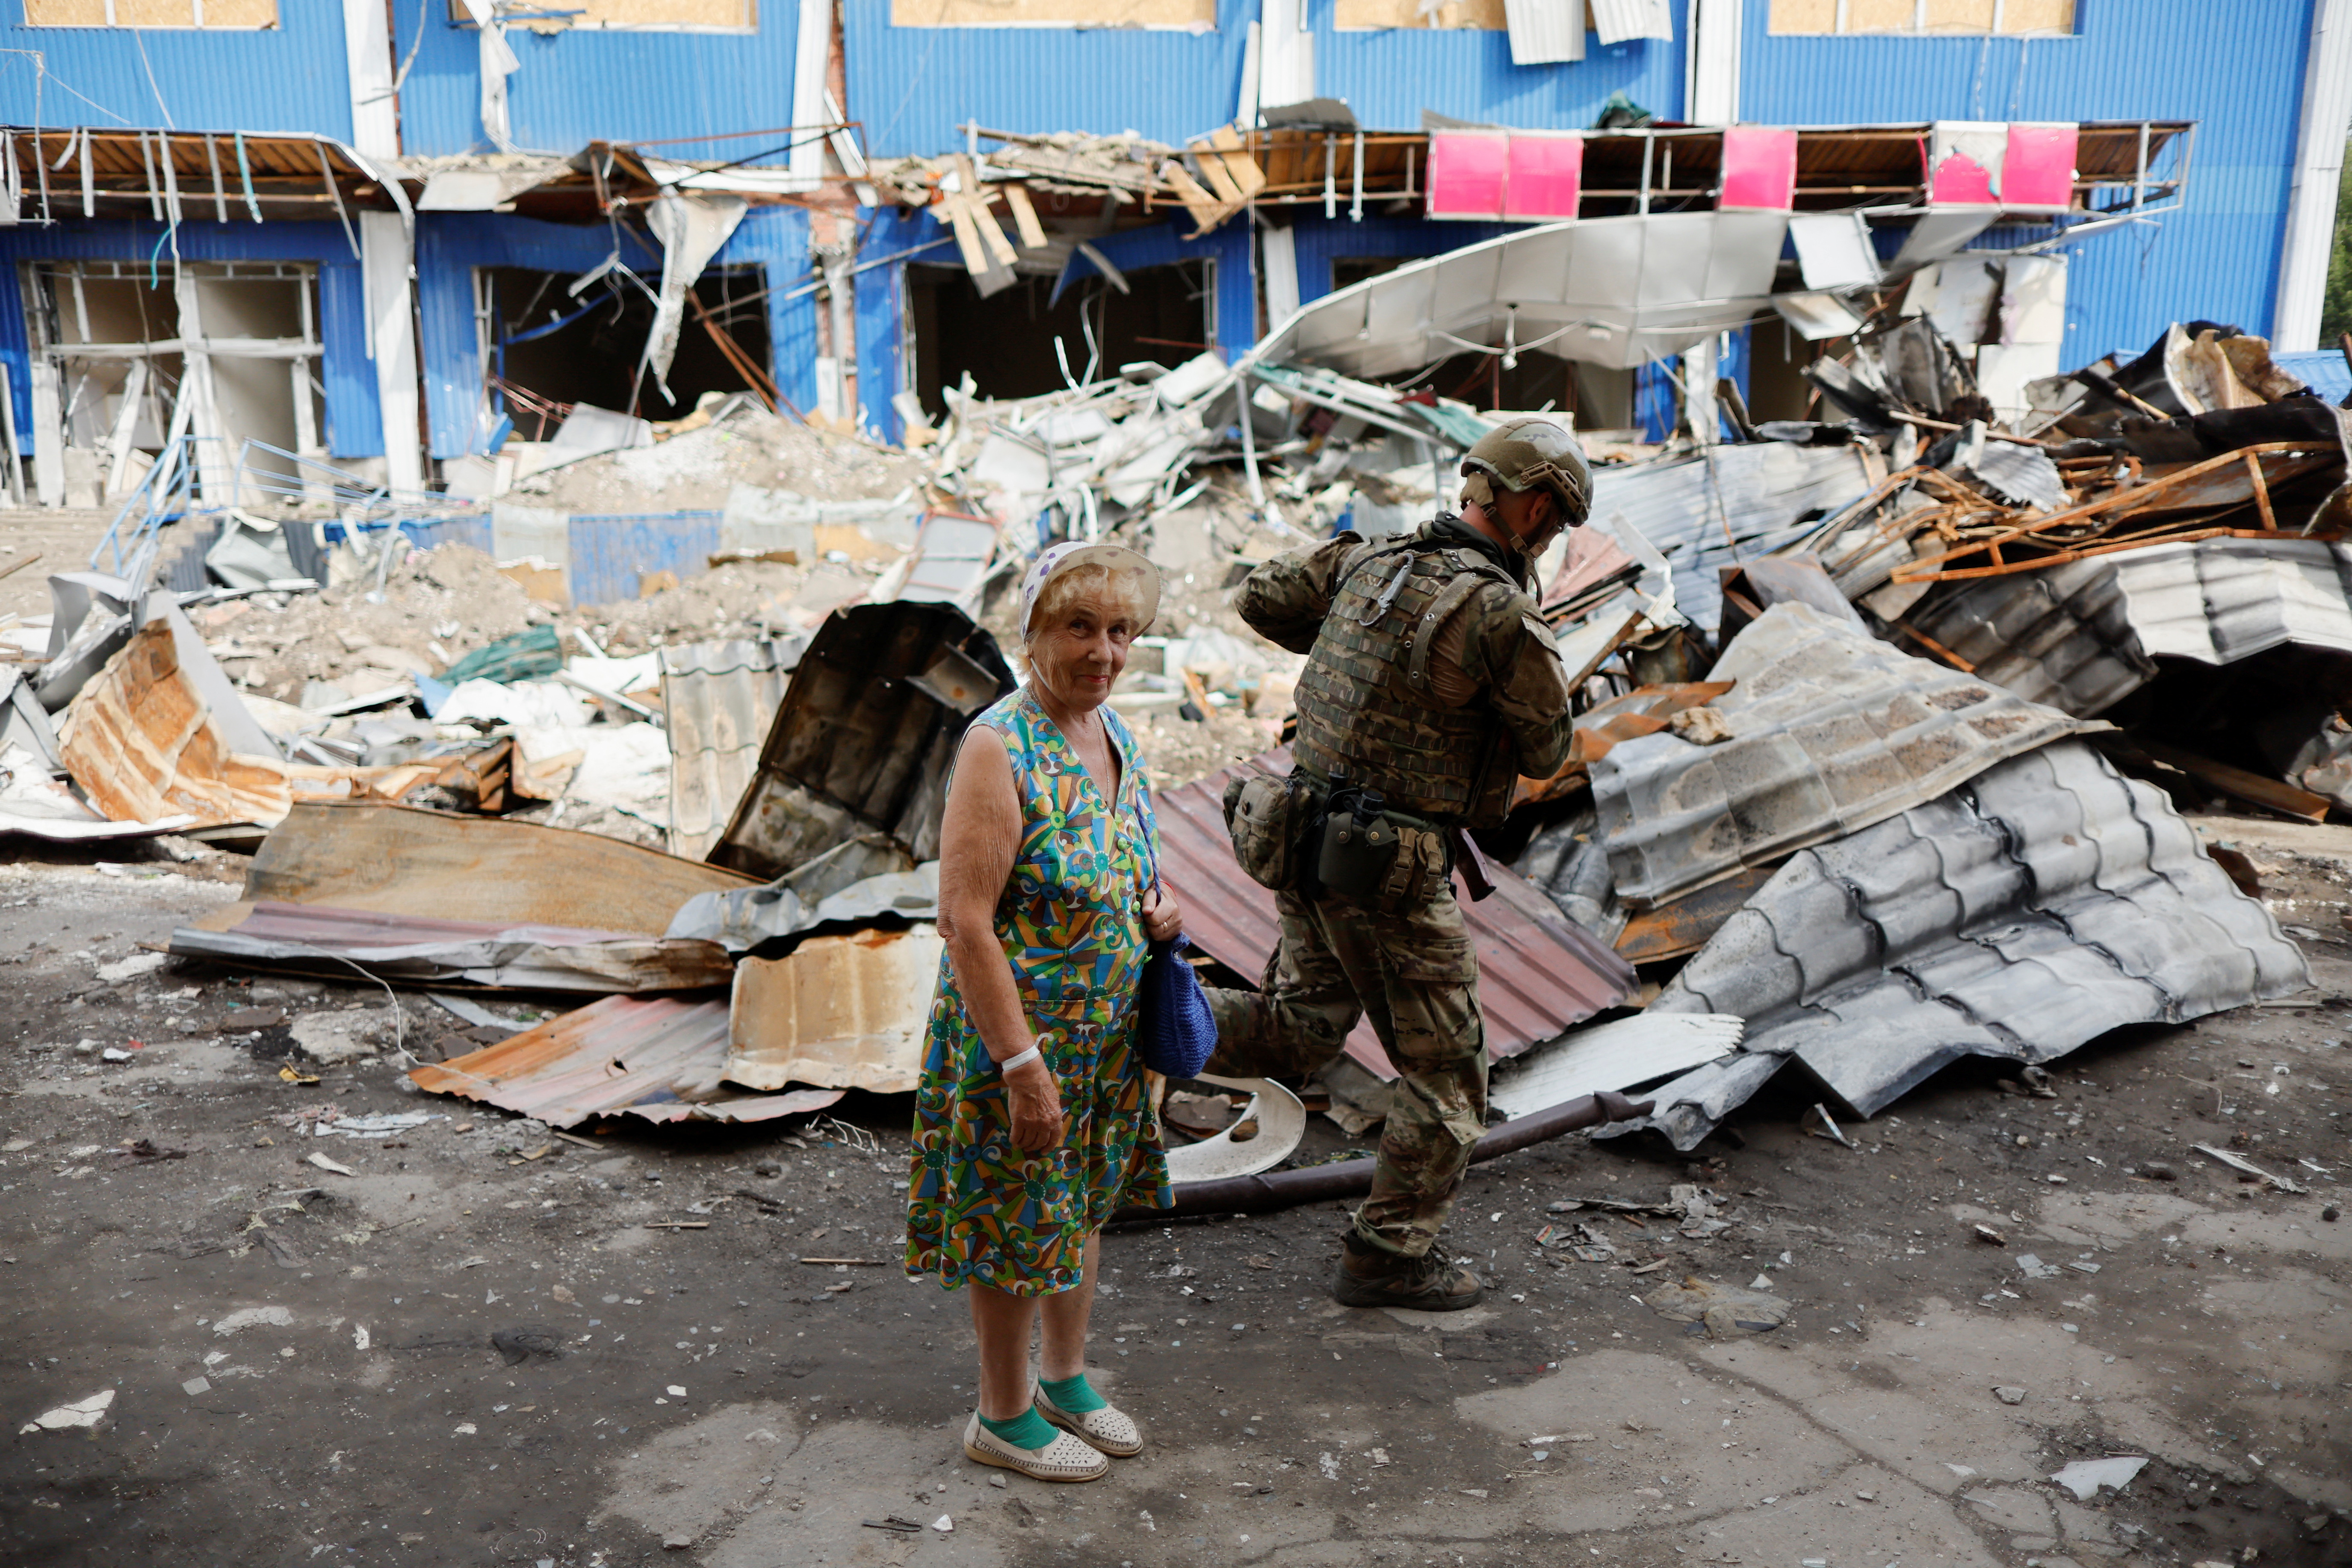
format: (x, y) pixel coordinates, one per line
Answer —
(1922, 18)
(153, 15)
(1006, 342)
(1382, 15)
(543, 350)
(1189, 16)
(227, 352)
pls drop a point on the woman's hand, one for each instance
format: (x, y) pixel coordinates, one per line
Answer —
(1163, 917)
(1036, 1104)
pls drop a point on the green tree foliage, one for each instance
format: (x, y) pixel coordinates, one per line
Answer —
(2336, 318)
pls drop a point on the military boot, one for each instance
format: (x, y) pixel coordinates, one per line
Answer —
(1369, 1277)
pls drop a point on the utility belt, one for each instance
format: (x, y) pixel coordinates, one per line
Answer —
(1300, 833)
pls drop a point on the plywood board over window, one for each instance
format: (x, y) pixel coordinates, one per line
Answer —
(730, 16)
(1195, 15)
(227, 14)
(1374, 15)
(1923, 18)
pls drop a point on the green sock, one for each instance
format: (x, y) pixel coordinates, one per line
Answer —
(1074, 1395)
(1027, 1430)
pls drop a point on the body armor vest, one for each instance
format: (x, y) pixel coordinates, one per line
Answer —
(1366, 703)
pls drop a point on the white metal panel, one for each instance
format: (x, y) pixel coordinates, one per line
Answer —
(1613, 1056)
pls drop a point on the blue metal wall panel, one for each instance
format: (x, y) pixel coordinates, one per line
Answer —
(2237, 70)
(611, 554)
(291, 76)
(882, 314)
(1389, 77)
(450, 246)
(777, 239)
(585, 84)
(354, 422)
(913, 87)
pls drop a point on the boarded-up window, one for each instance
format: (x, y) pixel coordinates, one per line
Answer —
(1923, 18)
(1368, 15)
(730, 16)
(1199, 15)
(231, 14)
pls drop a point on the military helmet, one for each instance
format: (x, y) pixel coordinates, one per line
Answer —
(1523, 453)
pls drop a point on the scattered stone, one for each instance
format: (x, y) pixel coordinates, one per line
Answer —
(2008, 1396)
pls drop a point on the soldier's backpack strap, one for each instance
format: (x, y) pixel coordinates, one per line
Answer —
(1453, 596)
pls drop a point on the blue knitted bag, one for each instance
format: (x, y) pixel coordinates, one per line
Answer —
(1176, 1033)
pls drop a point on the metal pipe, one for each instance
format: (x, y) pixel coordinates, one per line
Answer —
(1353, 1178)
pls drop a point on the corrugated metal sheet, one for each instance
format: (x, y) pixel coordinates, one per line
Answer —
(2217, 258)
(838, 1012)
(292, 77)
(718, 701)
(612, 555)
(1538, 973)
(2045, 903)
(865, 736)
(2222, 600)
(914, 87)
(398, 859)
(654, 1059)
(2323, 370)
(2059, 637)
(2083, 636)
(1389, 78)
(1727, 505)
(1832, 731)
(319, 939)
(143, 744)
(579, 84)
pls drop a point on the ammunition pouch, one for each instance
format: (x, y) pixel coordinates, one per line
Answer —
(1268, 818)
(1384, 858)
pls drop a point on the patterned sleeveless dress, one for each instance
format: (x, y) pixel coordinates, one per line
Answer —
(1071, 924)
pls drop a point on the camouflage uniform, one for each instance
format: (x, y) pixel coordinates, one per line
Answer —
(1431, 678)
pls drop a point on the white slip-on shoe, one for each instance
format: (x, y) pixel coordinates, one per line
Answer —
(1109, 1429)
(1065, 1458)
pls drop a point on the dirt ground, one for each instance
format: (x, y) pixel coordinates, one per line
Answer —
(471, 1348)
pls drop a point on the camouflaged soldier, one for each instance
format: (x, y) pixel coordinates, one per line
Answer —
(1431, 680)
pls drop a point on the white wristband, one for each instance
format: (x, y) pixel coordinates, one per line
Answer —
(1024, 1059)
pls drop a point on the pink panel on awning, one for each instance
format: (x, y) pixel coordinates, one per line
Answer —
(2039, 171)
(1466, 173)
(1545, 177)
(1760, 168)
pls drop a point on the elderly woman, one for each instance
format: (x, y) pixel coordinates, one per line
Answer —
(1031, 1125)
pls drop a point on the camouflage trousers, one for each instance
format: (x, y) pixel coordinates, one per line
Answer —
(1416, 976)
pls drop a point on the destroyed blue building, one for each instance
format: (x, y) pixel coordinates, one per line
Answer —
(399, 242)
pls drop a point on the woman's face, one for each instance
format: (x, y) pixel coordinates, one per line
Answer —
(1076, 654)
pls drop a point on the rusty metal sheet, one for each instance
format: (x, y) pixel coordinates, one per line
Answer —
(652, 1058)
(1539, 973)
(143, 744)
(1684, 926)
(862, 741)
(320, 939)
(839, 1011)
(402, 860)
